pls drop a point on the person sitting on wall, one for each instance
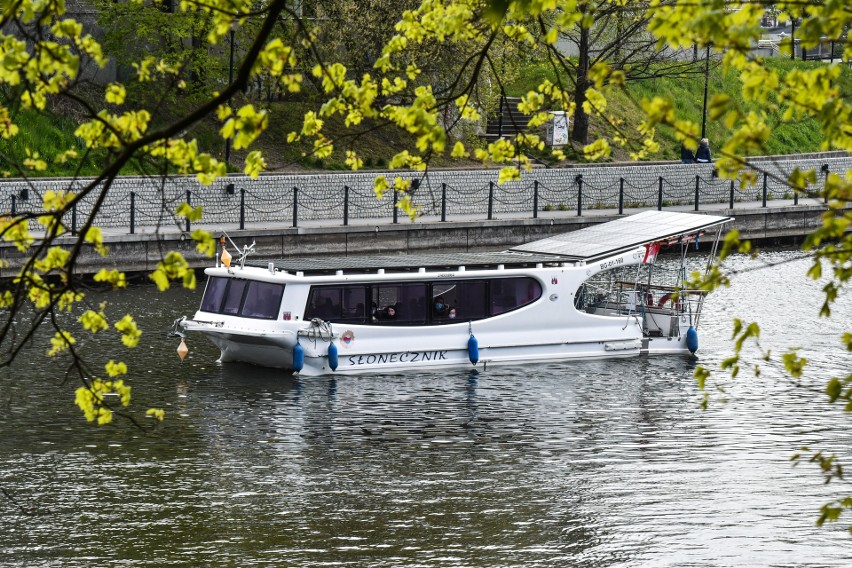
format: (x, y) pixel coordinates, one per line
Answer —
(702, 156)
(687, 156)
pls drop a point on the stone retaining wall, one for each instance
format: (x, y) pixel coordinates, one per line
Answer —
(324, 197)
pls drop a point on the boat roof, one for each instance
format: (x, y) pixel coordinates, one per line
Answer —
(589, 244)
(614, 237)
(411, 262)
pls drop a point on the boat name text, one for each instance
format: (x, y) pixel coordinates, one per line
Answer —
(407, 357)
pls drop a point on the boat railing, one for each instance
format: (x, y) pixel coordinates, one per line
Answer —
(625, 298)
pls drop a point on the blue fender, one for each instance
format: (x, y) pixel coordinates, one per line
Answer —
(692, 339)
(473, 349)
(298, 357)
(332, 356)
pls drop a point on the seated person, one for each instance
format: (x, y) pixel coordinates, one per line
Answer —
(452, 313)
(389, 313)
(440, 308)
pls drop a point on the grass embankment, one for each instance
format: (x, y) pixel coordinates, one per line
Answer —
(687, 93)
(48, 135)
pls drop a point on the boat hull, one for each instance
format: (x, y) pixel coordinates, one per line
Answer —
(362, 349)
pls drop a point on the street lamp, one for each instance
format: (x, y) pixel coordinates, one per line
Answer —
(230, 80)
(704, 108)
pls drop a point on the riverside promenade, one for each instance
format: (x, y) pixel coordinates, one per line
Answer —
(460, 211)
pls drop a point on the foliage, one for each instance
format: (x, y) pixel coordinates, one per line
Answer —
(439, 70)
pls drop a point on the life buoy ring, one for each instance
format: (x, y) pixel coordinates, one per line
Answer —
(666, 298)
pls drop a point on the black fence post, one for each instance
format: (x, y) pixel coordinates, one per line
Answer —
(345, 205)
(73, 219)
(697, 181)
(132, 212)
(295, 206)
(188, 203)
(395, 209)
(242, 209)
(764, 189)
(795, 197)
(14, 208)
(443, 202)
(535, 199)
(621, 196)
(731, 197)
(490, 200)
(660, 195)
(824, 169)
(579, 180)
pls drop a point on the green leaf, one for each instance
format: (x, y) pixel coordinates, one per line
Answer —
(833, 389)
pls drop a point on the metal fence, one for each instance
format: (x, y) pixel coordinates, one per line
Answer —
(136, 203)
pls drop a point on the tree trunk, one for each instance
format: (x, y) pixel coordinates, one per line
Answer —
(580, 132)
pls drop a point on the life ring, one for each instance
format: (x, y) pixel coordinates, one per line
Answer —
(666, 298)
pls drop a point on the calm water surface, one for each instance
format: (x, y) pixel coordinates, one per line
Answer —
(605, 463)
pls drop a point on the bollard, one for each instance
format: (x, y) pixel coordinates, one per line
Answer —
(345, 205)
(697, 181)
(764, 189)
(295, 206)
(74, 219)
(443, 202)
(188, 203)
(621, 196)
(731, 199)
(490, 199)
(535, 199)
(242, 209)
(660, 195)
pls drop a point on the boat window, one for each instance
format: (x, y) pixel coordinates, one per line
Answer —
(345, 304)
(262, 300)
(419, 303)
(399, 304)
(463, 300)
(234, 297)
(324, 303)
(213, 294)
(353, 304)
(511, 293)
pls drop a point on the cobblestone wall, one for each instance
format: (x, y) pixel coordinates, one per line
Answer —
(270, 198)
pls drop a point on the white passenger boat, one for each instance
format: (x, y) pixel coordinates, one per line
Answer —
(593, 293)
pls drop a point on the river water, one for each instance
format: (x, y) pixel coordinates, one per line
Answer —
(603, 463)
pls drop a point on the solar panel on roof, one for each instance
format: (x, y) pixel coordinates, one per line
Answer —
(395, 262)
(622, 234)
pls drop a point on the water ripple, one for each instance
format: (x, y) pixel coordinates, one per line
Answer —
(600, 463)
